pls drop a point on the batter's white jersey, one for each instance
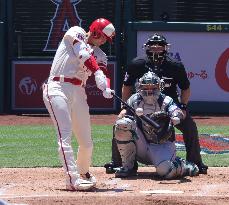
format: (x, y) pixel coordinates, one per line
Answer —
(70, 56)
(66, 61)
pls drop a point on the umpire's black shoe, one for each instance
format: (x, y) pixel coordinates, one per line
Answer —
(203, 169)
(122, 172)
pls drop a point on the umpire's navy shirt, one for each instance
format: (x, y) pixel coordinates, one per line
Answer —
(172, 71)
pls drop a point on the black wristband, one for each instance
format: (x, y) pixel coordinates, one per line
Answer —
(183, 106)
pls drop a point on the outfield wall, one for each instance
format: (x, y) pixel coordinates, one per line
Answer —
(32, 31)
(204, 50)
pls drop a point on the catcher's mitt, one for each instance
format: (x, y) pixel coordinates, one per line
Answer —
(166, 128)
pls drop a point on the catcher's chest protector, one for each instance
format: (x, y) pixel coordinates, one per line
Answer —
(151, 134)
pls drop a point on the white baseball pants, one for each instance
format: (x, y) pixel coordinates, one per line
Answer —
(69, 111)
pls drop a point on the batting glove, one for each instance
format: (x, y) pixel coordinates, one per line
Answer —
(108, 93)
(175, 120)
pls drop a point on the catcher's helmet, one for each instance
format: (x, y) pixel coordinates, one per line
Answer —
(156, 48)
(148, 87)
(104, 27)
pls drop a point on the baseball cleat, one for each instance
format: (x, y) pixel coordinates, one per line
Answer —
(89, 177)
(110, 168)
(124, 172)
(80, 185)
(84, 183)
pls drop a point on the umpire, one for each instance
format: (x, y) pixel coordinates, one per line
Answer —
(173, 74)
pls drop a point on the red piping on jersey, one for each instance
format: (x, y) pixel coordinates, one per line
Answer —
(61, 143)
(108, 82)
(103, 68)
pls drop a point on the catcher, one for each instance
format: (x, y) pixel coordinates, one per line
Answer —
(137, 141)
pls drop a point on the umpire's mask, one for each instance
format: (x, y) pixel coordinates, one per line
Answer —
(156, 48)
(148, 87)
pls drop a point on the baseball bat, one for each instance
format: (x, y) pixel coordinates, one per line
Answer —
(142, 117)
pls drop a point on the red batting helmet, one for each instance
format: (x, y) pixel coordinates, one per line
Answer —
(102, 26)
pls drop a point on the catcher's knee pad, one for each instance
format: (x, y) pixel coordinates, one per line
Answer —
(125, 129)
(166, 169)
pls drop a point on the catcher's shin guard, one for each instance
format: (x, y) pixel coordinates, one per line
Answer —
(125, 138)
(190, 168)
(177, 168)
(116, 160)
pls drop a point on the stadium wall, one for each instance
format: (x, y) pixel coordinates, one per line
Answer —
(31, 30)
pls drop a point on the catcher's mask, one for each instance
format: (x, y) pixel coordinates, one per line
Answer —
(156, 48)
(103, 27)
(148, 87)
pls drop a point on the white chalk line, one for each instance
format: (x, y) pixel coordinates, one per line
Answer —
(5, 188)
(161, 191)
(9, 196)
(205, 191)
(211, 188)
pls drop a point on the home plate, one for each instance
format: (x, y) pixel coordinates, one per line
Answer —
(163, 191)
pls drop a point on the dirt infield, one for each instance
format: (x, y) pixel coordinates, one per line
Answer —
(46, 185)
(99, 119)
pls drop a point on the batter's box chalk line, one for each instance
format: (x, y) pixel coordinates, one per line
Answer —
(209, 143)
(161, 191)
(3, 202)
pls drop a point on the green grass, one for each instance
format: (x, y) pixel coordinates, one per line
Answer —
(36, 146)
(221, 130)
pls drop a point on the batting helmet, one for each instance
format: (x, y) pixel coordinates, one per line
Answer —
(104, 27)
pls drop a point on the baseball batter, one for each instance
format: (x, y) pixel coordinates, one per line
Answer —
(77, 57)
(139, 141)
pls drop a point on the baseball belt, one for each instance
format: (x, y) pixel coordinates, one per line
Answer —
(73, 81)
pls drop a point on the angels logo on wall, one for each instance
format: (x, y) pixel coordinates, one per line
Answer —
(64, 17)
(27, 86)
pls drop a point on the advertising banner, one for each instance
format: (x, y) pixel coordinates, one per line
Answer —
(205, 57)
(27, 80)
